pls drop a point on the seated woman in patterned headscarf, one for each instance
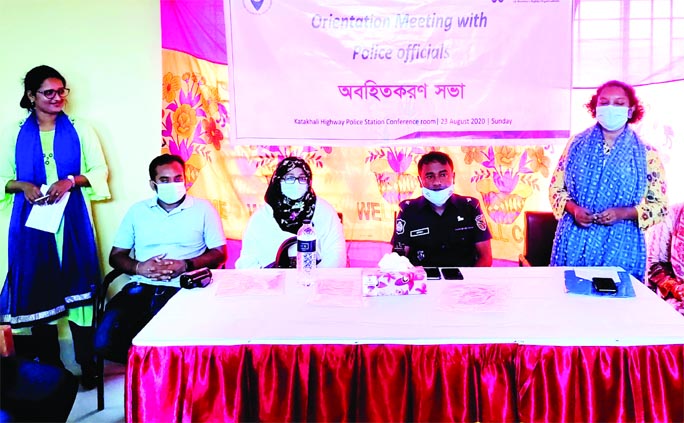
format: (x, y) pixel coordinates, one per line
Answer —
(609, 187)
(666, 258)
(290, 200)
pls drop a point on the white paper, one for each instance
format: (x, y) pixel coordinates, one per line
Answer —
(588, 273)
(247, 283)
(47, 217)
(474, 296)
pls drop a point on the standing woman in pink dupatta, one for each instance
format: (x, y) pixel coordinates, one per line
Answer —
(666, 258)
(608, 188)
(46, 276)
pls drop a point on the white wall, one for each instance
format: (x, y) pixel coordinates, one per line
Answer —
(110, 53)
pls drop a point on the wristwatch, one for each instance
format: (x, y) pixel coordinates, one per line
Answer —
(188, 265)
(73, 180)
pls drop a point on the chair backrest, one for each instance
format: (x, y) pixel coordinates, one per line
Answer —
(283, 259)
(540, 229)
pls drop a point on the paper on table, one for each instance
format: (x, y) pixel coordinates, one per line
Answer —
(589, 273)
(247, 283)
(337, 292)
(583, 285)
(48, 216)
(483, 297)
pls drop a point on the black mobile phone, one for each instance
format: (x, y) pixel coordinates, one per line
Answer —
(604, 285)
(432, 273)
(452, 273)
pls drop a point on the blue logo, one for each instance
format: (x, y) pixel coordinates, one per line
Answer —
(257, 7)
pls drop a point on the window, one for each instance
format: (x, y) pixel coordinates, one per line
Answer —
(638, 41)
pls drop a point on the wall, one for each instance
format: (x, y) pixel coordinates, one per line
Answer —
(109, 52)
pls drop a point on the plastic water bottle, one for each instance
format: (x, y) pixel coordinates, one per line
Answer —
(306, 253)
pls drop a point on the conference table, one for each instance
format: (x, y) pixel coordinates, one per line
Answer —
(504, 344)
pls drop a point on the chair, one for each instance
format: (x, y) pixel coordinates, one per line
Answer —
(283, 259)
(540, 230)
(98, 312)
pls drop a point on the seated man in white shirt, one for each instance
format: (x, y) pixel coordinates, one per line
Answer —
(170, 234)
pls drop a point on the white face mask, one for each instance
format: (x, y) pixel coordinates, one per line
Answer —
(438, 198)
(171, 192)
(293, 191)
(612, 118)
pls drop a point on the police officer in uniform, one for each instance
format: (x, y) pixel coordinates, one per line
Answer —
(441, 228)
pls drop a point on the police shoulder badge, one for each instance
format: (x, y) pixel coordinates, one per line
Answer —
(481, 222)
(401, 224)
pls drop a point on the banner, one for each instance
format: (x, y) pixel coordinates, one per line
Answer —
(399, 72)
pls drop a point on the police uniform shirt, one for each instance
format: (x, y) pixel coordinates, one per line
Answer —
(446, 240)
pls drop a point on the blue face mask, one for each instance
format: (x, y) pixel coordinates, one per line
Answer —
(612, 118)
(293, 191)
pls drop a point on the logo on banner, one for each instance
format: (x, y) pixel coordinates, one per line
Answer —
(257, 7)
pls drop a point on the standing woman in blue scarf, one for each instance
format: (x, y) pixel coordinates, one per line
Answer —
(609, 187)
(46, 276)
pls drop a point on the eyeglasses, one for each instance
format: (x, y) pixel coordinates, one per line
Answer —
(291, 179)
(50, 94)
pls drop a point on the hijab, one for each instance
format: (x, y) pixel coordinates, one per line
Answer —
(290, 214)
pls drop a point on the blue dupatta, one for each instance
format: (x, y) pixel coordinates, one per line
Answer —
(38, 287)
(598, 181)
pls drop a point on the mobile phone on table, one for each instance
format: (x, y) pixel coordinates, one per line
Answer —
(604, 285)
(432, 273)
(452, 273)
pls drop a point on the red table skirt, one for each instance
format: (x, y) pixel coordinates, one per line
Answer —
(494, 382)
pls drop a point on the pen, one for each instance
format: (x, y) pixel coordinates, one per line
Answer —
(41, 199)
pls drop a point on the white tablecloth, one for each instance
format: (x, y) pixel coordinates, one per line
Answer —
(491, 305)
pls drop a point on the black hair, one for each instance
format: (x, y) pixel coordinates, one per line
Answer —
(34, 79)
(435, 156)
(162, 160)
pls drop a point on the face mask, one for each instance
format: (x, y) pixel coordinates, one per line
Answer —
(612, 118)
(294, 191)
(438, 198)
(171, 192)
